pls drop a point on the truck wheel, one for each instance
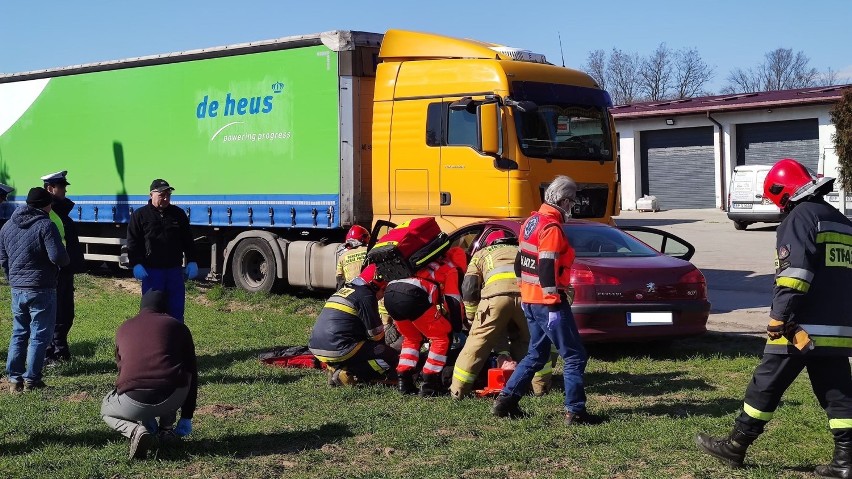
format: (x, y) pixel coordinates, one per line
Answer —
(253, 266)
(740, 225)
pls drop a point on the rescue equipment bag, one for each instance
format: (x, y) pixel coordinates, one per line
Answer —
(406, 248)
(291, 357)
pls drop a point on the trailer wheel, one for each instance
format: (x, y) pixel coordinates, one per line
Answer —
(253, 266)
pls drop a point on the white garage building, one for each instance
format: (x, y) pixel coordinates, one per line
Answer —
(683, 151)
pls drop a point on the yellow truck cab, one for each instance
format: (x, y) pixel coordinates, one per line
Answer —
(465, 130)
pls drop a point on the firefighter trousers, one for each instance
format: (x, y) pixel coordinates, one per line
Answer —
(830, 380)
(497, 319)
(370, 363)
(431, 326)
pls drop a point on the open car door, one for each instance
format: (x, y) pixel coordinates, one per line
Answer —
(662, 241)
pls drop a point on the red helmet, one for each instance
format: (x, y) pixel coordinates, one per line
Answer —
(494, 236)
(358, 234)
(789, 181)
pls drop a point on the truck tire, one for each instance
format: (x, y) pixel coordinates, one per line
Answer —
(740, 225)
(253, 266)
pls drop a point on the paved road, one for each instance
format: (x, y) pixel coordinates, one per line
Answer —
(738, 265)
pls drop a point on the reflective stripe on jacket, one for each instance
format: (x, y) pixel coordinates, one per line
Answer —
(813, 273)
(545, 257)
(491, 272)
(349, 263)
(349, 318)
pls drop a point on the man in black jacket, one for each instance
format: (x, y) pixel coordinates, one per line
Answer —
(158, 238)
(157, 375)
(56, 184)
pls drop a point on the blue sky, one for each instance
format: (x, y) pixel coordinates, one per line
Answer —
(728, 34)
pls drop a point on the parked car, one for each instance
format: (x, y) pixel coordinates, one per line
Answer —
(625, 290)
(746, 204)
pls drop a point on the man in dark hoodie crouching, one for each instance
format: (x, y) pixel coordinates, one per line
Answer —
(31, 253)
(157, 375)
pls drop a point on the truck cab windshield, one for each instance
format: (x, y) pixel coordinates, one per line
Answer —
(564, 131)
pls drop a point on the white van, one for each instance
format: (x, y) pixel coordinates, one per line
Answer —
(828, 166)
(746, 204)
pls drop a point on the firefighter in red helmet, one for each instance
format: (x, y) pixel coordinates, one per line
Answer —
(351, 254)
(348, 334)
(810, 325)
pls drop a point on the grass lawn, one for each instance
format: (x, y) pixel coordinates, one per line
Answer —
(259, 421)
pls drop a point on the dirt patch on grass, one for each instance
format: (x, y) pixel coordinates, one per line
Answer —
(125, 284)
(79, 397)
(219, 410)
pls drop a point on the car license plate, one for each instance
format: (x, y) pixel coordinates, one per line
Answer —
(649, 319)
(742, 205)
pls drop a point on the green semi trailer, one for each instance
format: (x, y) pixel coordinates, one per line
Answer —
(261, 142)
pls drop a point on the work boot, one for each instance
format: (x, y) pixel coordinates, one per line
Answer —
(140, 441)
(506, 405)
(431, 386)
(34, 385)
(841, 464)
(405, 384)
(731, 450)
(581, 418)
(342, 377)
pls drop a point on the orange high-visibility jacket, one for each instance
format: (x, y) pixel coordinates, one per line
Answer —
(545, 257)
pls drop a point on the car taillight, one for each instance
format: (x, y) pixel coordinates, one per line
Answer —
(583, 276)
(693, 285)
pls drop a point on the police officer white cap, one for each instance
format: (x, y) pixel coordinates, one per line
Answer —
(57, 178)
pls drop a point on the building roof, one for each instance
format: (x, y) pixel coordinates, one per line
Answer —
(734, 102)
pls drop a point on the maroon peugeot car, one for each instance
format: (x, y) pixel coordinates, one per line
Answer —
(625, 289)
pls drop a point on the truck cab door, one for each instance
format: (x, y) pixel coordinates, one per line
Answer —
(414, 162)
(473, 183)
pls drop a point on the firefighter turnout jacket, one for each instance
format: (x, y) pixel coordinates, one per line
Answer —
(349, 318)
(545, 257)
(349, 263)
(491, 272)
(813, 273)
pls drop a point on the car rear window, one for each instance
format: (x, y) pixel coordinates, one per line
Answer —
(596, 241)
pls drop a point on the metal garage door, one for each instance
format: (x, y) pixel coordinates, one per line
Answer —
(678, 167)
(766, 143)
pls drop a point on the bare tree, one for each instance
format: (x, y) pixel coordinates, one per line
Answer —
(780, 70)
(623, 76)
(832, 78)
(596, 67)
(691, 73)
(655, 74)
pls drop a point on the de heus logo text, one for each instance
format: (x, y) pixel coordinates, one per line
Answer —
(233, 105)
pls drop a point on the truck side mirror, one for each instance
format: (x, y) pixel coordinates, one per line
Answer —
(489, 128)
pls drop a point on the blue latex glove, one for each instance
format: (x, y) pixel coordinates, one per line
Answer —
(191, 270)
(553, 318)
(151, 425)
(139, 272)
(183, 428)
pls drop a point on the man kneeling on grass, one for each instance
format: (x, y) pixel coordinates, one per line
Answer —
(157, 375)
